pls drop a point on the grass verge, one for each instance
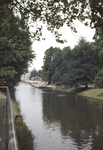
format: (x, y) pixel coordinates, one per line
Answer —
(87, 92)
(24, 135)
(2, 96)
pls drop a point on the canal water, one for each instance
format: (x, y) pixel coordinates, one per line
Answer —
(61, 121)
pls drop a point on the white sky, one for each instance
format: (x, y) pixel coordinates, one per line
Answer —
(72, 40)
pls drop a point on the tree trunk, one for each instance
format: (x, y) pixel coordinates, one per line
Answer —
(49, 82)
(86, 86)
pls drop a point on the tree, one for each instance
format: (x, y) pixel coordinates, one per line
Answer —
(47, 67)
(99, 79)
(83, 68)
(40, 73)
(55, 13)
(52, 64)
(56, 78)
(67, 57)
(52, 13)
(56, 59)
(98, 44)
(15, 48)
(33, 73)
(64, 78)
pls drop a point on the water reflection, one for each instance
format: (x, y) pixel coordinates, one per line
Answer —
(80, 119)
(61, 121)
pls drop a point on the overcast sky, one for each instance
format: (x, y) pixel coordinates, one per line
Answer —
(72, 40)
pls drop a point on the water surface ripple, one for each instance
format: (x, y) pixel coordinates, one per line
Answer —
(61, 121)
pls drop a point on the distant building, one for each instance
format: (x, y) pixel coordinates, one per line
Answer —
(25, 76)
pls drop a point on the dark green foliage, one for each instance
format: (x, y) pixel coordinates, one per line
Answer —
(52, 64)
(56, 13)
(73, 67)
(99, 79)
(98, 46)
(47, 67)
(15, 36)
(33, 74)
(56, 59)
(83, 67)
(56, 78)
(64, 79)
(15, 48)
(40, 73)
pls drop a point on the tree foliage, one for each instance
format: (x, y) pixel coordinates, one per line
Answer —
(99, 79)
(15, 48)
(83, 66)
(34, 73)
(56, 78)
(15, 35)
(52, 64)
(56, 13)
(72, 66)
(99, 47)
(47, 67)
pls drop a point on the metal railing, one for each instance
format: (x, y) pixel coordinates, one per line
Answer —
(11, 138)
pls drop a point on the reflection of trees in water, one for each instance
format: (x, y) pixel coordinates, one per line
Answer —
(80, 118)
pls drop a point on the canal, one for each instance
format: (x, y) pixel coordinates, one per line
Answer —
(61, 121)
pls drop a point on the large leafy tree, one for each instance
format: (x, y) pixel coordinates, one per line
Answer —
(15, 48)
(33, 73)
(40, 73)
(56, 78)
(56, 59)
(83, 67)
(47, 67)
(52, 64)
(73, 67)
(55, 13)
(65, 65)
(99, 79)
(98, 45)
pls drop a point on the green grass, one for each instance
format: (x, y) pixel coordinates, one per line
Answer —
(87, 92)
(2, 96)
(60, 88)
(93, 93)
(24, 135)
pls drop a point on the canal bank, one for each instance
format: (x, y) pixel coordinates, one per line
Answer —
(90, 92)
(41, 84)
(61, 120)
(24, 135)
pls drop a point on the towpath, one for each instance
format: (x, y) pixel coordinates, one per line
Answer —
(2, 123)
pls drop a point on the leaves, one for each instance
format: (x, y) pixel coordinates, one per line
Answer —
(15, 49)
(71, 66)
(99, 79)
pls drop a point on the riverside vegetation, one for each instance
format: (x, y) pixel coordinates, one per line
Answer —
(15, 40)
(93, 93)
(24, 135)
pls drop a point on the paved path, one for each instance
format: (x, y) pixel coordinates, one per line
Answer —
(2, 124)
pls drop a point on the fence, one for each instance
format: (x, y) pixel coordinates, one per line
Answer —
(11, 139)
